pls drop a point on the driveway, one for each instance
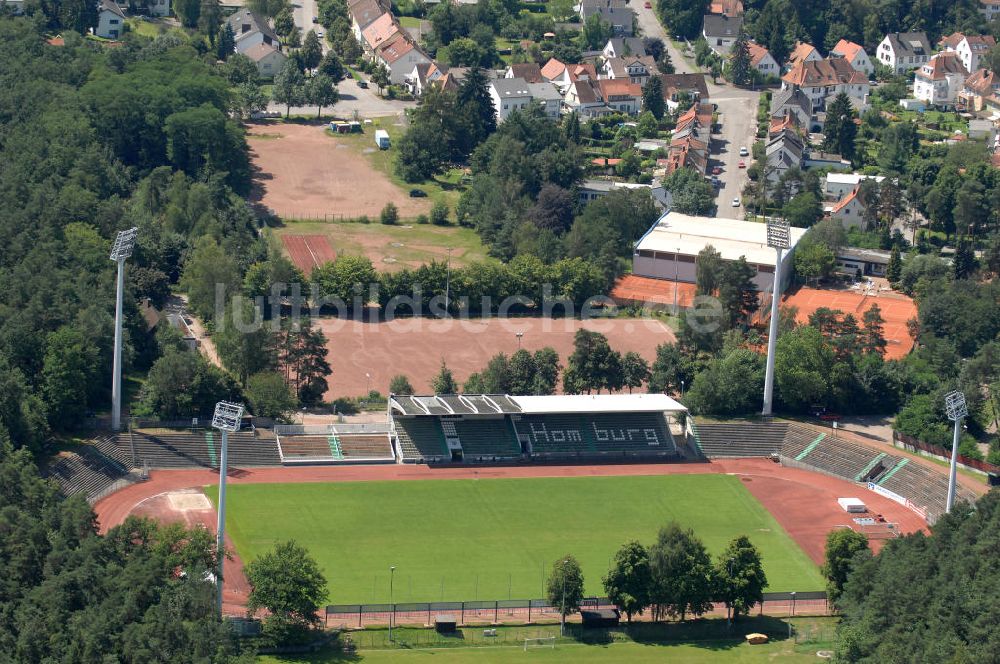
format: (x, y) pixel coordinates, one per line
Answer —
(303, 12)
(737, 114)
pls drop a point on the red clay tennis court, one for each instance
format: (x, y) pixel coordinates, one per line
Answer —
(308, 251)
(896, 310)
(632, 289)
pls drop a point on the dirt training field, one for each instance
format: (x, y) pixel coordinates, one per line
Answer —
(308, 251)
(302, 172)
(415, 347)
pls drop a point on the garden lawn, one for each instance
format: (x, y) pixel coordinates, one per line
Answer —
(493, 539)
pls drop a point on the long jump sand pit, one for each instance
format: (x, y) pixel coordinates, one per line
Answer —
(304, 173)
(415, 347)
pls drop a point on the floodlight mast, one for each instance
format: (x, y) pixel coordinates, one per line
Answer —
(956, 408)
(777, 238)
(122, 249)
(226, 418)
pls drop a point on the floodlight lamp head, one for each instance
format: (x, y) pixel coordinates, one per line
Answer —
(778, 234)
(124, 242)
(227, 416)
(955, 406)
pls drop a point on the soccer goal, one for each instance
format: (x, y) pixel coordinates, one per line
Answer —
(541, 642)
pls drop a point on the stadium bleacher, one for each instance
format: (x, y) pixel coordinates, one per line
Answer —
(741, 439)
(198, 448)
(421, 438)
(485, 438)
(566, 434)
(330, 448)
(86, 472)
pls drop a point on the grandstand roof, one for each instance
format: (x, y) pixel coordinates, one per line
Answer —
(453, 404)
(598, 403)
(503, 404)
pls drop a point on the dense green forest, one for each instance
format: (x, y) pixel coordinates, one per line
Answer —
(67, 594)
(928, 598)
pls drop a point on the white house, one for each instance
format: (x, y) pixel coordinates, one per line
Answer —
(802, 52)
(509, 95)
(855, 55)
(363, 13)
(970, 48)
(938, 82)
(158, 7)
(621, 95)
(720, 32)
(821, 79)
(849, 210)
(110, 19)
(421, 77)
(990, 9)
(400, 56)
(619, 47)
(784, 150)
(838, 185)
(762, 60)
(634, 68)
(268, 59)
(251, 29)
(548, 97)
(903, 51)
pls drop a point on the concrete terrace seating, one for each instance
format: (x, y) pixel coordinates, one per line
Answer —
(840, 457)
(365, 446)
(168, 448)
(797, 439)
(486, 438)
(305, 447)
(87, 473)
(421, 438)
(925, 488)
(741, 439)
(596, 435)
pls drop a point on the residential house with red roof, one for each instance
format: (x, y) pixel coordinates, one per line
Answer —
(979, 86)
(971, 49)
(990, 9)
(855, 55)
(379, 32)
(849, 210)
(938, 82)
(762, 60)
(400, 55)
(821, 80)
(802, 52)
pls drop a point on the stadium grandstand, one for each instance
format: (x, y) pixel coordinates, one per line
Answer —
(335, 444)
(500, 427)
(897, 477)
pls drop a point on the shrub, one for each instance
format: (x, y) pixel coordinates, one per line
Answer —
(439, 214)
(390, 214)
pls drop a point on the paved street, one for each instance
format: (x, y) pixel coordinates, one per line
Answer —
(737, 113)
(303, 12)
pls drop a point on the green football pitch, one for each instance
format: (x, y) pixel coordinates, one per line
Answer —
(493, 539)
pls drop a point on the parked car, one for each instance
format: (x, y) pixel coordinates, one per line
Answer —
(716, 171)
(363, 84)
(743, 151)
(319, 33)
(736, 202)
(418, 193)
(315, 19)
(648, 5)
(742, 164)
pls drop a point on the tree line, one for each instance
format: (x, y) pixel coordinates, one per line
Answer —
(673, 578)
(96, 141)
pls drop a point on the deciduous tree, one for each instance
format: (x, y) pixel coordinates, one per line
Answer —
(740, 577)
(628, 581)
(564, 587)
